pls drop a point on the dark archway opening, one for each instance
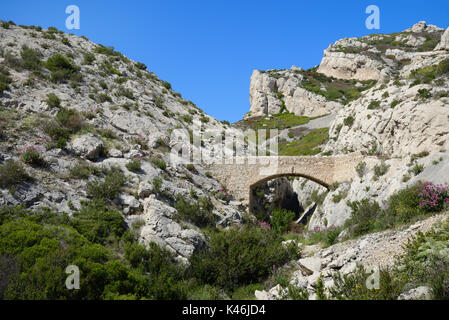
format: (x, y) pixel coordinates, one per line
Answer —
(276, 192)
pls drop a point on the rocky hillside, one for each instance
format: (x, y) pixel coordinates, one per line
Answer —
(87, 175)
(385, 95)
(71, 109)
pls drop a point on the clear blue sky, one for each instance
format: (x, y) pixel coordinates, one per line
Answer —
(208, 49)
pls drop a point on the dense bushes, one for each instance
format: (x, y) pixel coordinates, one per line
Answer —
(280, 220)
(53, 100)
(404, 206)
(98, 223)
(199, 212)
(108, 188)
(427, 74)
(36, 247)
(31, 156)
(134, 165)
(67, 121)
(5, 80)
(62, 68)
(353, 286)
(426, 261)
(239, 256)
(12, 173)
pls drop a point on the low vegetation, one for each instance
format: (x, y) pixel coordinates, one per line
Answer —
(405, 206)
(306, 145)
(278, 121)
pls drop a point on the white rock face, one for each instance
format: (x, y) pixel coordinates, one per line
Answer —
(444, 43)
(421, 26)
(352, 66)
(162, 229)
(88, 146)
(412, 126)
(420, 293)
(264, 89)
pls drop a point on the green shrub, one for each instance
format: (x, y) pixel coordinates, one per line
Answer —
(281, 219)
(31, 58)
(109, 188)
(141, 66)
(45, 243)
(88, 58)
(98, 223)
(361, 169)
(159, 163)
(349, 121)
(339, 196)
(353, 286)
(157, 184)
(12, 173)
(56, 132)
(62, 68)
(417, 169)
(426, 261)
(403, 205)
(381, 169)
(66, 42)
(442, 68)
(159, 102)
(166, 85)
(187, 118)
(5, 80)
(103, 97)
(128, 93)
(109, 69)
(199, 212)
(109, 51)
(84, 171)
(134, 165)
(364, 215)
(32, 156)
(394, 103)
(239, 256)
(424, 94)
(53, 101)
(374, 105)
(71, 119)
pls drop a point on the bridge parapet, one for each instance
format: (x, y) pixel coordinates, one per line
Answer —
(242, 174)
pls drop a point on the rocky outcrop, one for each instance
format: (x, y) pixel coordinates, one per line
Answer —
(352, 66)
(160, 227)
(88, 146)
(274, 90)
(377, 250)
(444, 43)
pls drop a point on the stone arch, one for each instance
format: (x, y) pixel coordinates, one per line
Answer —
(280, 175)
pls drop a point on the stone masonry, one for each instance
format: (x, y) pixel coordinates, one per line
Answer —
(243, 174)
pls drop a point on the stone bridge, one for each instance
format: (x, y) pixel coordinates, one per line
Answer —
(241, 175)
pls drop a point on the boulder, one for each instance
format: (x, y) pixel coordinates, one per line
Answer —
(162, 229)
(88, 146)
(420, 293)
(115, 153)
(311, 263)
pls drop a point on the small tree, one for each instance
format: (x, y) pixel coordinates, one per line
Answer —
(280, 220)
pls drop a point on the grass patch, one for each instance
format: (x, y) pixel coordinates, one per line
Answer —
(306, 145)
